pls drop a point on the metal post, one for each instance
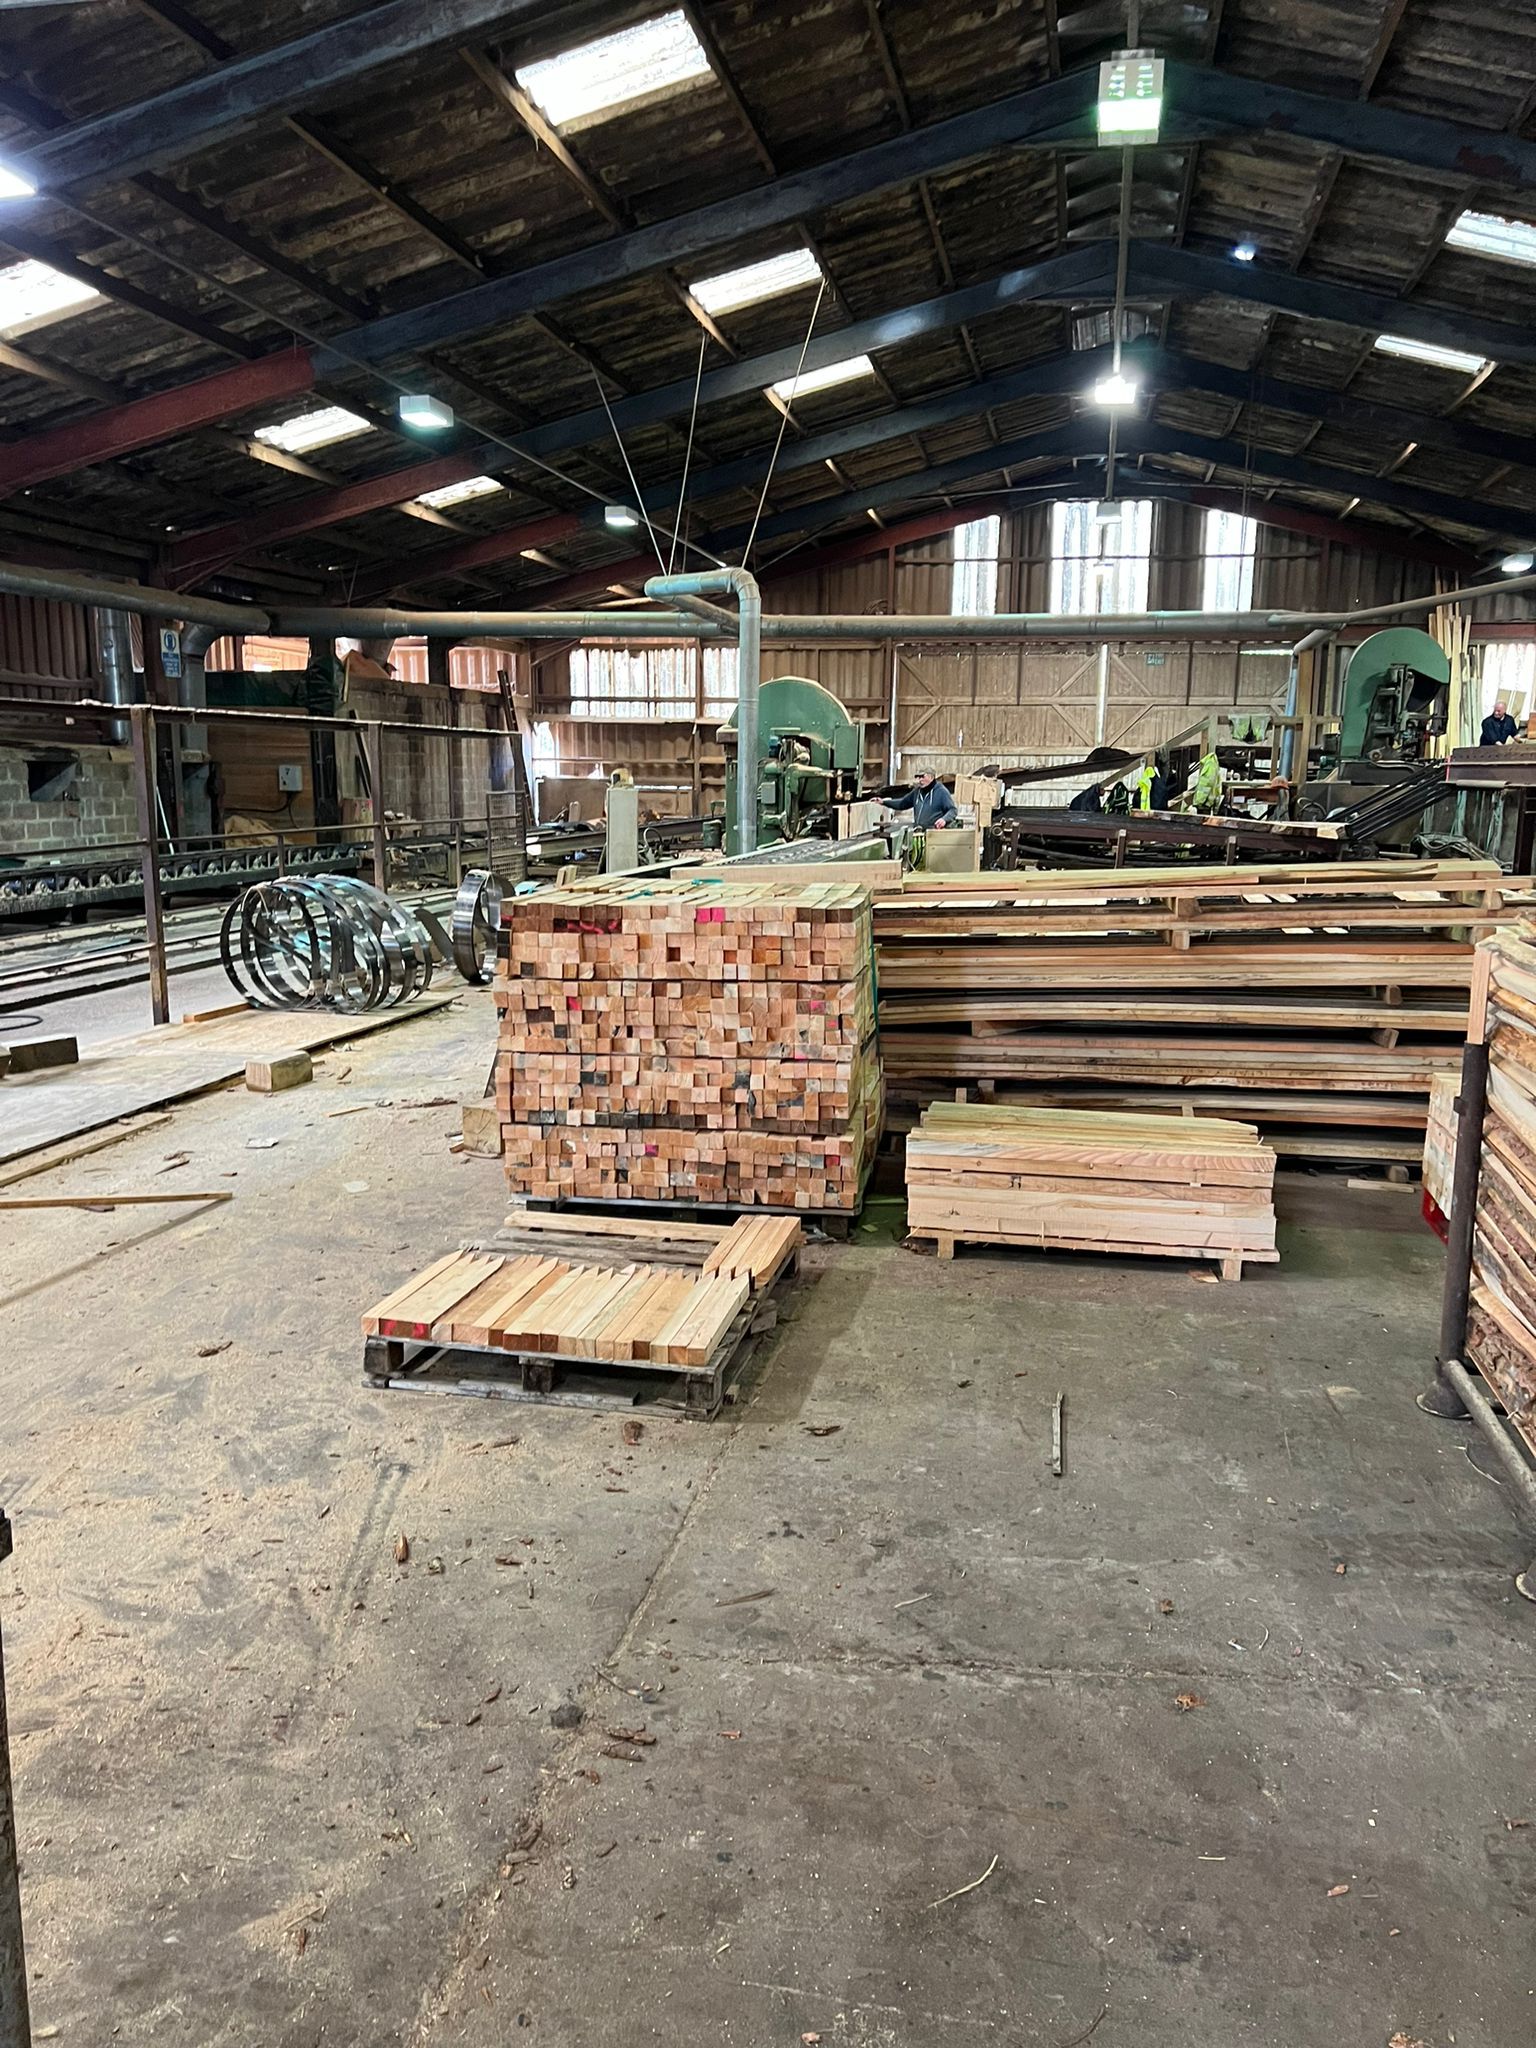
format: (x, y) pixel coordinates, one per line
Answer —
(15, 2021)
(373, 744)
(142, 734)
(749, 658)
(1442, 1398)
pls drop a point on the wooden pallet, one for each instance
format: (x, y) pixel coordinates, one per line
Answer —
(1086, 1180)
(1229, 1264)
(572, 1310)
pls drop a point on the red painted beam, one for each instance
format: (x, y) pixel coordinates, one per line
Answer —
(143, 421)
(200, 553)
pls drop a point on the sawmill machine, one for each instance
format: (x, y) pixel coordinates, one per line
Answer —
(1381, 778)
(811, 756)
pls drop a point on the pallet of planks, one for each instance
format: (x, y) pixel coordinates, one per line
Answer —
(1501, 1323)
(1320, 1003)
(1084, 1180)
(690, 1041)
(587, 1311)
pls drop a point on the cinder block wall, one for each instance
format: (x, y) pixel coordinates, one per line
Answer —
(100, 807)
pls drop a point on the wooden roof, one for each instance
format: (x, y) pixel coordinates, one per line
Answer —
(287, 228)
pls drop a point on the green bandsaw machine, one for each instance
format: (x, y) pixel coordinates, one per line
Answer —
(1394, 698)
(812, 755)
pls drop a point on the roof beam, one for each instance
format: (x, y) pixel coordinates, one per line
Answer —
(1156, 272)
(1068, 277)
(175, 124)
(1414, 500)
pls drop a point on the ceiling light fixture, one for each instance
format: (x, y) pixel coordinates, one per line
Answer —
(15, 185)
(1130, 97)
(620, 518)
(1116, 391)
(1244, 252)
(420, 409)
(1517, 564)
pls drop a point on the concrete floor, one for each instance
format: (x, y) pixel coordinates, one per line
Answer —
(272, 1784)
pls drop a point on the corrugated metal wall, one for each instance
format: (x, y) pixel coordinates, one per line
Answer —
(43, 641)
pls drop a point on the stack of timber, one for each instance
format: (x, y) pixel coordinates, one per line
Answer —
(1318, 1002)
(1501, 1322)
(1091, 1180)
(690, 1040)
(593, 1292)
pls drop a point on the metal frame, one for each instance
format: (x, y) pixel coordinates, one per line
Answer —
(15, 2023)
(1455, 1394)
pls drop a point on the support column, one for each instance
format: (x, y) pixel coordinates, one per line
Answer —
(15, 2021)
(373, 746)
(143, 738)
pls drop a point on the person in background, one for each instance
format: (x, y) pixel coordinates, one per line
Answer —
(928, 800)
(1498, 727)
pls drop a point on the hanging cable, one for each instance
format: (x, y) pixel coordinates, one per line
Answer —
(682, 489)
(783, 423)
(634, 482)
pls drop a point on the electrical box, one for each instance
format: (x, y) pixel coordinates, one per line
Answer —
(290, 778)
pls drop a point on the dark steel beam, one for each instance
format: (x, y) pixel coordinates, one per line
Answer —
(1201, 103)
(1416, 500)
(1078, 273)
(186, 118)
(1035, 117)
(1159, 272)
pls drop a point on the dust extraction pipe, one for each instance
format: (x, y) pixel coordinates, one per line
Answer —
(739, 584)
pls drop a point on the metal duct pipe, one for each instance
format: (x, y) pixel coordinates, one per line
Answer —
(312, 622)
(143, 599)
(739, 584)
(114, 648)
(193, 688)
(1303, 646)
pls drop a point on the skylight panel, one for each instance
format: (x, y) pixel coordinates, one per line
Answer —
(32, 294)
(1427, 352)
(653, 57)
(731, 289)
(1489, 234)
(309, 430)
(844, 372)
(456, 494)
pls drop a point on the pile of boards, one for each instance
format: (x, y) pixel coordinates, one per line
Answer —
(1501, 1323)
(690, 1040)
(565, 1306)
(1086, 1180)
(1318, 1002)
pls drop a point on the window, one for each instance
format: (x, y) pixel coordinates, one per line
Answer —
(822, 380)
(1230, 541)
(307, 430)
(719, 682)
(1490, 234)
(458, 494)
(632, 682)
(1427, 352)
(31, 295)
(1509, 675)
(1099, 556)
(973, 578)
(730, 289)
(638, 63)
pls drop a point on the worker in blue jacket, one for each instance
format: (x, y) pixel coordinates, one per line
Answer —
(1498, 727)
(930, 803)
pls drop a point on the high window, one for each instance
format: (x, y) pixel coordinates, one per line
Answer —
(1100, 552)
(1230, 540)
(973, 580)
(632, 682)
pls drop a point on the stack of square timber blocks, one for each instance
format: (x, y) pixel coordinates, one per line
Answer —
(690, 1042)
